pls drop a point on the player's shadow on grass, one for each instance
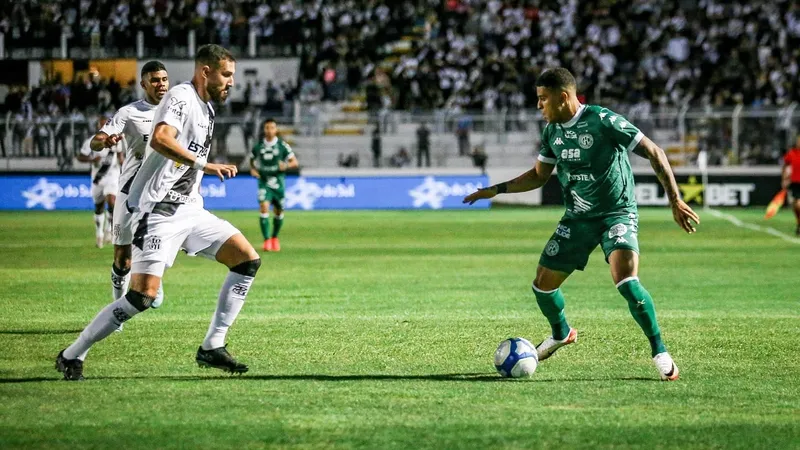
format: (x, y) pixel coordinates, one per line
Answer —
(469, 377)
(39, 332)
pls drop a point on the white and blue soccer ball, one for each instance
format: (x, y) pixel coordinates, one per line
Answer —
(516, 358)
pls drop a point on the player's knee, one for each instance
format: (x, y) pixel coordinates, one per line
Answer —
(98, 208)
(247, 268)
(140, 301)
(122, 258)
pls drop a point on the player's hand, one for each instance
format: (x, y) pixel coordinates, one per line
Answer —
(222, 171)
(684, 216)
(485, 193)
(282, 166)
(112, 140)
(254, 173)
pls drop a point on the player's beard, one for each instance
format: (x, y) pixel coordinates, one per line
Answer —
(218, 93)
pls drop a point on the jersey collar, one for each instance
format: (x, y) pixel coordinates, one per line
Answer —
(272, 142)
(575, 118)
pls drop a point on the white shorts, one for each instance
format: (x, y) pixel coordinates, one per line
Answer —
(103, 189)
(157, 239)
(123, 221)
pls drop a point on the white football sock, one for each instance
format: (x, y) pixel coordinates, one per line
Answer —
(120, 279)
(230, 302)
(109, 221)
(106, 321)
(99, 220)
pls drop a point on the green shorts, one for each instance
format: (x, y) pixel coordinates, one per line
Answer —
(574, 240)
(273, 196)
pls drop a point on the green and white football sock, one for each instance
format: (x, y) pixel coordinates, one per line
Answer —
(551, 303)
(277, 223)
(264, 222)
(643, 311)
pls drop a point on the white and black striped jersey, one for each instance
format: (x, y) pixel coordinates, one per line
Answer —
(161, 185)
(134, 122)
(107, 170)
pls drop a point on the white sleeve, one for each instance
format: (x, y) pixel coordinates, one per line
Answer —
(86, 150)
(289, 151)
(174, 109)
(117, 123)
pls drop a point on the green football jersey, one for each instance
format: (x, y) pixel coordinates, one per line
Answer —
(266, 156)
(590, 153)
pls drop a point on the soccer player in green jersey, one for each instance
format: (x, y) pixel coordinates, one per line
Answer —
(269, 161)
(589, 145)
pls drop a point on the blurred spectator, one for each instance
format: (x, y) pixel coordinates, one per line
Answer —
(351, 160)
(400, 159)
(376, 147)
(479, 158)
(423, 145)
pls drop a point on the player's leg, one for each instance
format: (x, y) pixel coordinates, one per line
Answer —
(795, 187)
(567, 250)
(111, 200)
(277, 221)
(263, 207)
(99, 220)
(215, 238)
(620, 245)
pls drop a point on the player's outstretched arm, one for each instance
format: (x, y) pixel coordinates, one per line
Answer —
(681, 212)
(102, 140)
(528, 181)
(164, 142)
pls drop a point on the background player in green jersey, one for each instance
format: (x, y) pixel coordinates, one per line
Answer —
(589, 145)
(269, 161)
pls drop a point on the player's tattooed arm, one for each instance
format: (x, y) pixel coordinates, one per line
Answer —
(528, 181)
(681, 212)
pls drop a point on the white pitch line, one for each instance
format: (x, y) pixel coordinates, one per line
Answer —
(751, 226)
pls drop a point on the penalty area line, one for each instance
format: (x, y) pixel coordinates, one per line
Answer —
(751, 226)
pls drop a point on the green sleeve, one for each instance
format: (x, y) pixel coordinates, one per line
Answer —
(546, 154)
(288, 151)
(619, 130)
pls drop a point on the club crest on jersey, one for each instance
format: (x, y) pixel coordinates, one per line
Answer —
(617, 230)
(551, 249)
(585, 141)
(569, 134)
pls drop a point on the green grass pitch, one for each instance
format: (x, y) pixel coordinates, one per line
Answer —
(377, 329)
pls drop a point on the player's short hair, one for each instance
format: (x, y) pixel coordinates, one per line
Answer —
(557, 79)
(269, 119)
(212, 55)
(152, 66)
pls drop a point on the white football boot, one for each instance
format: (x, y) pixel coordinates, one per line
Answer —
(547, 347)
(666, 367)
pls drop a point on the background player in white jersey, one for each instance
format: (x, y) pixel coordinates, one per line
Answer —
(132, 124)
(171, 217)
(105, 181)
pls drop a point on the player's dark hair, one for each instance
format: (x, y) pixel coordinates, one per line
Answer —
(152, 66)
(212, 55)
(557, 79)
(269, 119)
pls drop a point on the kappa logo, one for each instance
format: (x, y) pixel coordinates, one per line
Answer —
(154, 243)
(433, 193)
(621, 240)
(551, 249)
(558, 141)
(586, 141)
(569, 134)
(617, 230)
(305, 194)
(46, 194)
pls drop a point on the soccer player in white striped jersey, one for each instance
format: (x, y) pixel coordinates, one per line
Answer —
(131, 124)
(170, 217)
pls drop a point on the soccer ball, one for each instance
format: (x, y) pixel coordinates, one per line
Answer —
(516, 358)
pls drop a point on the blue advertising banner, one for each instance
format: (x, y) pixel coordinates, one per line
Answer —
(73, 192)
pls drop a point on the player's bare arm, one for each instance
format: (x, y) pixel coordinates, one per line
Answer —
(786, 176)
(88, 158)
(290, 163)
(681, 212)
(528, 181)
(102, 141)
(164, 142)
(254, 169)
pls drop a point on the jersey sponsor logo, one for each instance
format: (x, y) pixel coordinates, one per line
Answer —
(579, 205)
(305, 194)
(569, 134)
(618, 229)
(551, 249)
(586, 141)
(176, 106)
(581, 177)
(558, 141)
(177, 197)
(46, 194)
(145, 138)
(563, 231)
(571, 154)
(433, 193)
